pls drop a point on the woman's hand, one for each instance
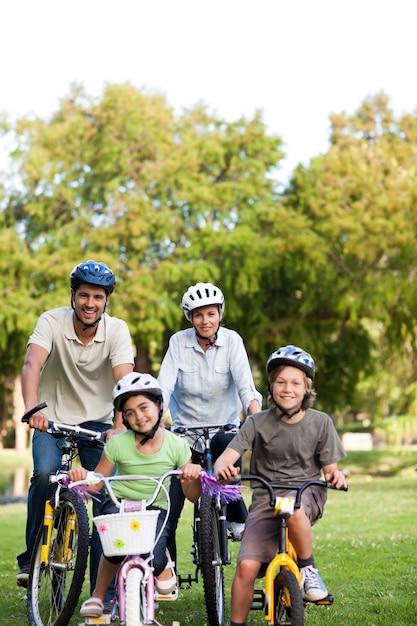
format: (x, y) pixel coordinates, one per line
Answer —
(77, 473)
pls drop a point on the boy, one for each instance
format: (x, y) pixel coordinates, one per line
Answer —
(290, 442)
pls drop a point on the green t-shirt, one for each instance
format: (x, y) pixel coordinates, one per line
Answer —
(122, 451)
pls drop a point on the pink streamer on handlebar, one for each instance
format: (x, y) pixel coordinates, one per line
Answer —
(209, 484)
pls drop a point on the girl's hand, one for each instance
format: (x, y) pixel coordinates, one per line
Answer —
(190, 472)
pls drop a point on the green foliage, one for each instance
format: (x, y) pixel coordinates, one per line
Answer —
(170, 199)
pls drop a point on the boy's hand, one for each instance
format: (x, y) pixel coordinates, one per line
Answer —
(336, 478)
(226, 473)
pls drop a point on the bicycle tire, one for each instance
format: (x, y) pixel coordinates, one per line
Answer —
(135, 598)
(54, 589)
(211, 564)
(289, 605)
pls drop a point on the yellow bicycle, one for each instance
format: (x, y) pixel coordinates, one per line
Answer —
(282, 600)
(59, 558)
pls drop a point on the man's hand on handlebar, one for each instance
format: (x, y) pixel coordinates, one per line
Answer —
(39, 421)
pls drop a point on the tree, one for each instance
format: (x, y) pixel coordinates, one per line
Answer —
(169, 199)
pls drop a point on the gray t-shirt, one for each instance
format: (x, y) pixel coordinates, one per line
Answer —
(289, 452)
(77, 380)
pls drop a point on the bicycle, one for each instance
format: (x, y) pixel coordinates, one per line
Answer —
(59, 559)
(132, 533)
(209, 551)
(282, 600)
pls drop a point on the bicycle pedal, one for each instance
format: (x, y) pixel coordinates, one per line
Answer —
(185, 582)
(103, 619)
(258, 602)
(327, 601)
(167, 597)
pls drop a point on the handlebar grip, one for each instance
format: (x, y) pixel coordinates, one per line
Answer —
(35, 409)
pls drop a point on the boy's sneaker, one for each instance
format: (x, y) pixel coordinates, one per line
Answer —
(23, 576)
(314, 587)
(236, 528)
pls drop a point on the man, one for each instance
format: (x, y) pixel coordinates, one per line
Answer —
(73, 358)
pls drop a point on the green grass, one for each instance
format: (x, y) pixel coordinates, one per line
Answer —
(365, 548)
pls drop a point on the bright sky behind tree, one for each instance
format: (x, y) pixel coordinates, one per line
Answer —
(297, 60)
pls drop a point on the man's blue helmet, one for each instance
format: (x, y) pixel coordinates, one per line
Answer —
(93, 273)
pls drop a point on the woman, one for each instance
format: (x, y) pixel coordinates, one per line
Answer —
(206, 378)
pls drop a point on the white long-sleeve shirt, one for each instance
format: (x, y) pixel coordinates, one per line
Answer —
(207, 387)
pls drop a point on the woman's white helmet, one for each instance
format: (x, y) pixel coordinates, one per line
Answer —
(133, 384)
(201, 294)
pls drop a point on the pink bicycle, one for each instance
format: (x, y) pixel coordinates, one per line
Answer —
(131, 533)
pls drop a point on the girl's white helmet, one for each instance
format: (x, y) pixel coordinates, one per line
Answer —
(133, 384)
(201, 294)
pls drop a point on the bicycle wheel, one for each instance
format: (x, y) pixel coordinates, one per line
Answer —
(135, 598)
(54, 587)
(211, 561)
(289, 606)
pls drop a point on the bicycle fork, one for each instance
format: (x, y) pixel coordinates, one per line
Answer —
(283, 560)
(66, 551)
(147, 579)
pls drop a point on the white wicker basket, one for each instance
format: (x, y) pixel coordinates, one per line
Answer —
(127, 533)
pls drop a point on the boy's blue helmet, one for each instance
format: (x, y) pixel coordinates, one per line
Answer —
(93, 273)
(293, 356)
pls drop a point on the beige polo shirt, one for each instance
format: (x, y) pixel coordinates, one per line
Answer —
(77, 380)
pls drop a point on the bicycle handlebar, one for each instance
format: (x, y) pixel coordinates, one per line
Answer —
(62, 430)
(93, 478)
(183, 430)
(299, 488)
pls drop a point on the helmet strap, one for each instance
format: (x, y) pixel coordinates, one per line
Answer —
(151, 434)
(206, 339)
(285, 413)
(86, 326)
